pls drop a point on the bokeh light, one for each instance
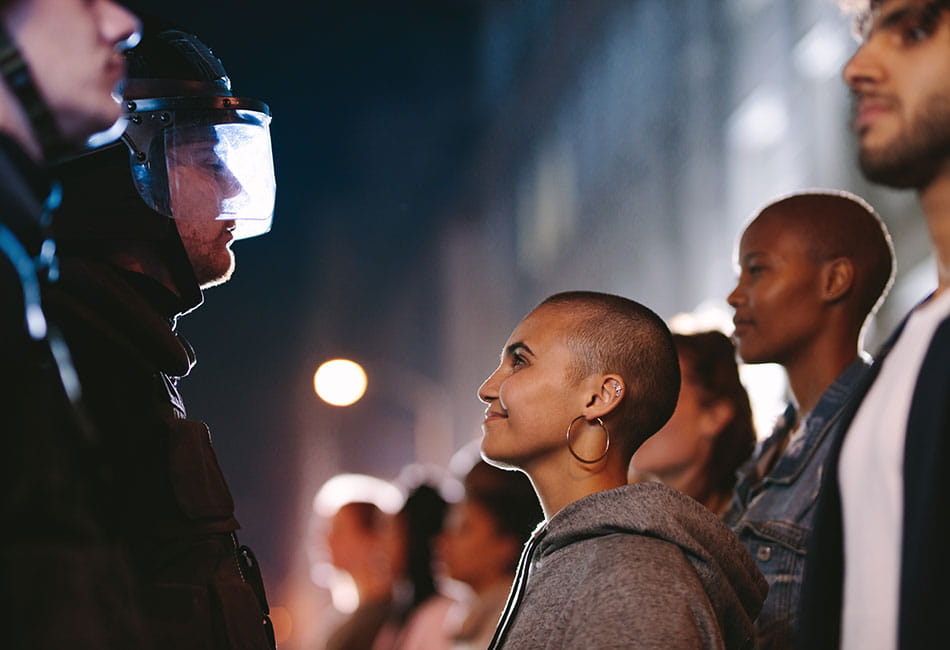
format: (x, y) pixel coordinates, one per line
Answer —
(340, 382)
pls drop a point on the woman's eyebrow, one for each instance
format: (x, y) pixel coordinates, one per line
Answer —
(518, 346)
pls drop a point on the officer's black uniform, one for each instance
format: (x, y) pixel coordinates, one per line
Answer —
(170, 508)
(63, 579)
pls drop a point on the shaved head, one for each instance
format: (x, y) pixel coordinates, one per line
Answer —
(835, 225)
(611, 334)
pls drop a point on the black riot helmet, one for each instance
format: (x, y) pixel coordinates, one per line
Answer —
(196, 151)
(191, 151)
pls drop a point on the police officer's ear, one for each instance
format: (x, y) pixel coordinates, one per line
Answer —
(837, 279)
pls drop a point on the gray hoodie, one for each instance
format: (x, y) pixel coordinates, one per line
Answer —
(640, 566)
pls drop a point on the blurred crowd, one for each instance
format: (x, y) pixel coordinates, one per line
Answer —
(430, 563)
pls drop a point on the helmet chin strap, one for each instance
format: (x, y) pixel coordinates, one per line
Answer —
(18, 78)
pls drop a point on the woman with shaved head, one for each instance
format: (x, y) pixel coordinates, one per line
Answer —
(583, 380)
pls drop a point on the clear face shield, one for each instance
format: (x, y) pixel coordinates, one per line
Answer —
(204, 159)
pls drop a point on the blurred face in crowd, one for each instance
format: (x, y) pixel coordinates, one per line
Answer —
(73, 49)
(531, 396)
(685, 440)
(345, 539)
(777, 300)
(351, 544)
(473, 550)
(900, 77)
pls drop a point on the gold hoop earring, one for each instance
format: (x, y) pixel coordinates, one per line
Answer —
(588, 461)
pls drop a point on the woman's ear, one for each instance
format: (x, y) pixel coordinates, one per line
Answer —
(837, 278)
(606, 394)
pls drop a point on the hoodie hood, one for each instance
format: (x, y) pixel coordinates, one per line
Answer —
(727, 572)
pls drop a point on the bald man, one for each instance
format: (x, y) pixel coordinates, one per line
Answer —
(813, 267)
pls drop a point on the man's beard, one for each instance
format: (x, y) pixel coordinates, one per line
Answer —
(915, 156)
(211, 261)
(214, 270)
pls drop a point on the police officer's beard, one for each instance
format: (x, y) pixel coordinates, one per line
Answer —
(209, 253)
(917, 155)
(215, 268)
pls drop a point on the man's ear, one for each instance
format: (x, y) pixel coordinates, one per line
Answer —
(606, 393)
(837, 278)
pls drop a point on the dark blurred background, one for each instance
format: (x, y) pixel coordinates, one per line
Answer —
(442, 165)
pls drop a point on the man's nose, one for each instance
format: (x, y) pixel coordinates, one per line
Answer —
(863, 68)
(119, 26)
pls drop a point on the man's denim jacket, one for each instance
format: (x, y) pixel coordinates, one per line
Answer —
(773, 516)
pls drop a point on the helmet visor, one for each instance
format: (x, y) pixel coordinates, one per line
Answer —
(206, 165)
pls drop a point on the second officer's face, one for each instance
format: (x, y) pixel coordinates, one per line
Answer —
(74, 51)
